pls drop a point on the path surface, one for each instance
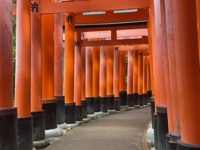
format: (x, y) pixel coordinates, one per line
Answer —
(120, 131)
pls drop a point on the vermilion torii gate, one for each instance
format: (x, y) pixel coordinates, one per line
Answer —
(44, 87)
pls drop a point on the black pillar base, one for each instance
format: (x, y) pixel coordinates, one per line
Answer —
(70, 113)
(8, 129)
(184, 146)
(149, 94)
(123, 98)
(155, 130)
(117, 103)
(130, 100)
(84, 108)
(145, 97)
(97, 104)
(25, 133)
(152, 111)
(38, 125)
(104, 104)
(140, 100)
(171, 143)
(90, 105)
(79, 113)
(135, 99)
(60, 109)
(162, 126)
(49, 107)
(111, 102)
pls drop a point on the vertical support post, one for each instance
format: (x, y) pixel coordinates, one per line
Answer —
(36, 76)
(149, 88)
(58, 67)
(116, 79)
(48, 100)
(88, 81)
(135, 78)
(69, 69)
(8, 114)
(130, 80)
(77, 77)
(144, 84)
(122, 78)
(23, 75)
(109, 88)
(174, 133)
(102, 80)
(95, 77)
(83, 101)
(188, 72)
(198, 23)
(140, 79)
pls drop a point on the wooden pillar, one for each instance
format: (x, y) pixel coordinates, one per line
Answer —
(109, 72)
(130, 79)
(140, 79)
(144, 83)
(174, 129)
(188, 72)
(88, 81)
(149, 81)
(122, 78)
(161, 73)
(69, 69)
(49, 102)
(36, 76)
(23, 75)
(77, 77)
(8, 114)
(135, 77)
(58, 66)
(116, 79)
(95, 76)
(198, 23)
(102, 80)
(83, 101)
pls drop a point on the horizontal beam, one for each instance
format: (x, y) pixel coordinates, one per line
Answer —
(91, 5)
(113, 27)
(140, 47)
(85, 43)
(111, 17)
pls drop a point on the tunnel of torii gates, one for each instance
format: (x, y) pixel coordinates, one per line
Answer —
(71, 63)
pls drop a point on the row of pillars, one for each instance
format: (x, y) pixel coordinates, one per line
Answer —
(174, 35)
(53, 86)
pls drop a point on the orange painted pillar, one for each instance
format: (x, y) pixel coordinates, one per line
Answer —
(130, 79)
(149, 88)
(48, 99)
(174, 129)
(135, 78)
(23, 75)
(36, 76)
(161, 73)
(109, 78)
(69, 69)
(198, 23)
(95, 76)
(140, 79)
(144, 84)
(88, 81)
(7, 112)
(122, 78)
(83, 101)
(77, 77)
(188, 72)
(102, 80)
(58, 66)
(116, 79)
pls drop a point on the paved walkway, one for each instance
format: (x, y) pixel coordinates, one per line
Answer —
(119, 131)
